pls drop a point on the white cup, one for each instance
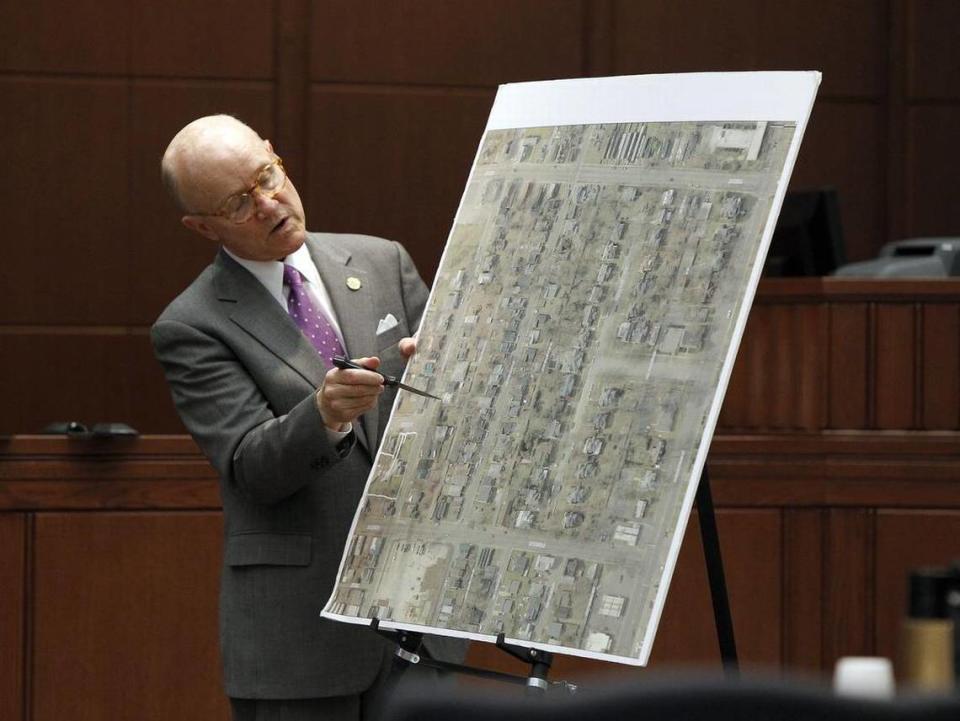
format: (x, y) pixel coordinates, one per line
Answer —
(864, 677)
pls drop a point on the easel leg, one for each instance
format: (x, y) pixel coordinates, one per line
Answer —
(718, 584)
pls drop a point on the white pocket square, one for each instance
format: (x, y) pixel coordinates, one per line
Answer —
(386, 323)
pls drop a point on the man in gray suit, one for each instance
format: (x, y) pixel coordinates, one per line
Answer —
(291, 437)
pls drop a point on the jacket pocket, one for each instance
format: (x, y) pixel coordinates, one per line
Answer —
(389, 339)
(268, 549)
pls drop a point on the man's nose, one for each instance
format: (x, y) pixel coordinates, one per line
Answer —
(264, 204)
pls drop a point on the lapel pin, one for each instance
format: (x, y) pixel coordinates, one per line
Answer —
(353, 283)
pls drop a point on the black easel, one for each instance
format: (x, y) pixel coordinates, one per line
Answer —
(410, 643)
(718, 584)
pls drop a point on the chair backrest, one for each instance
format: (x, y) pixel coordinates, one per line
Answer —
(672, 700)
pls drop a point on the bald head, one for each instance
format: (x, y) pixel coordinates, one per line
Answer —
(197, 148)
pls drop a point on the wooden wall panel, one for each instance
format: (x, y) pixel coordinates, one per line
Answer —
(802, 624)
(66, 214)
(907, 540)
(392, 163)
(895, 360)
(777, 381)
(848, 580)
(933, 51)
(734, 413)
(158, 109)
(751, 544)
(755, 35)
(85, 36)
(221, 38)
(86, 375)
(126, 609)
(214, 38)
(484, 42)
(940, 382)
(758, 355)
(714, 36)
(13, 578)
(933, 158)
(844, 147)
(846, 41)
(848, 380)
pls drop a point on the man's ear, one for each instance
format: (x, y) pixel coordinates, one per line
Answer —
(199, 226)
(269, 147)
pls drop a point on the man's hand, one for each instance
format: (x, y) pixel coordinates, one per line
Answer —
(408, 346)
(346, 394)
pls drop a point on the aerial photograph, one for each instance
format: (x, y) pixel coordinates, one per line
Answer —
(577, 331)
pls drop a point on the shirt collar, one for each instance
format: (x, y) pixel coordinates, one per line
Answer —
(270, 272)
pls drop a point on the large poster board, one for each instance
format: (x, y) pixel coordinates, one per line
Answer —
(581, 331)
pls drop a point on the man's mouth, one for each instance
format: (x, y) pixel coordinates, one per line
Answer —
(280, 225)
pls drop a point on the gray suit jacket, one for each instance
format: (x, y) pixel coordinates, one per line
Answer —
(243, 378)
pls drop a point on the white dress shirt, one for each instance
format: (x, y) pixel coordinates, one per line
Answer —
(270, 275)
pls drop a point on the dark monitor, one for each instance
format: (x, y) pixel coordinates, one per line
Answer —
(808, 239)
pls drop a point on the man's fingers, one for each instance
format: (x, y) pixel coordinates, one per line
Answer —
(347, 378)
(408, 346)
(348, 393)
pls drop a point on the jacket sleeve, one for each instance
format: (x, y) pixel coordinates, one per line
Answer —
(266, 457)
(415, 291)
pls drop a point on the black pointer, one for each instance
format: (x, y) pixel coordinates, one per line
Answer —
(343, 364)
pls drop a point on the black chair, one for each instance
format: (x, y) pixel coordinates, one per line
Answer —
(672, 700)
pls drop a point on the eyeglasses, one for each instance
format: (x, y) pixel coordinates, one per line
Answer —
(240, 207)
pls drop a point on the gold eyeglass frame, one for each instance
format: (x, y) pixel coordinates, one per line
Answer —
(255, 188)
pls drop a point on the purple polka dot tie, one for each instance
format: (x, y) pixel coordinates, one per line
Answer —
(310, 318)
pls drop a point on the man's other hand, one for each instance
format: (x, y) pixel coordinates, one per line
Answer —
(408, 346)
(346, 394)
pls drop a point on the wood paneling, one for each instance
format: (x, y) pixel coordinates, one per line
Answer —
(66, 211)
(292, 78)
(934, 67)
(908, 540)
(940, 382)
(755, 35)
(86, 36)
(714, 36)
(848, 585)
(13, 627)
(895, 352)
(932, 161)
(158, 109)
(392, 163)
(848, 349)
(86, 375)
(484, 42)
(778, 378)
(845, 40)
(802, 622)
(687, 632)
(843, 148)
(214, 38)
(125, 624)
(220, 38)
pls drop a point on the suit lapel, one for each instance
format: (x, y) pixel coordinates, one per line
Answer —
(354, 308)
(258, 313)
